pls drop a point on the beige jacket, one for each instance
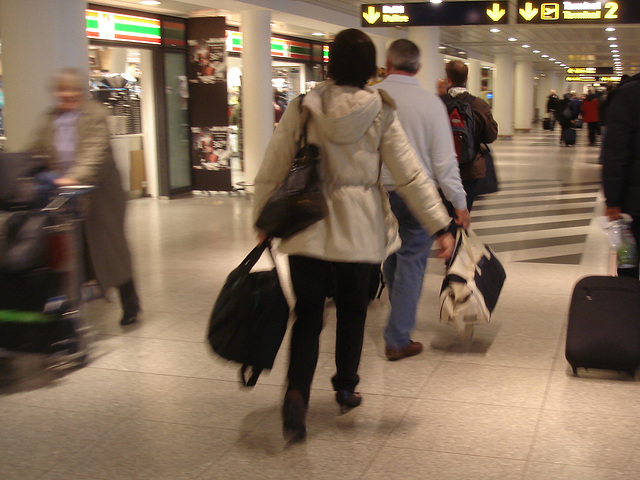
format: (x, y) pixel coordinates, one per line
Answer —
(105, 207)
(357, 130)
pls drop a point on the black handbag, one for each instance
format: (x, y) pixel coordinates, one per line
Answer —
(298, 201)
(249, 318)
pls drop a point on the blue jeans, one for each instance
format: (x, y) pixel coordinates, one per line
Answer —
(404, 272)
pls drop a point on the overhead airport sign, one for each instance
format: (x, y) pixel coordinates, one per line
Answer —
(578, 11)
(592, 79)
(434, 14)
(590, 71)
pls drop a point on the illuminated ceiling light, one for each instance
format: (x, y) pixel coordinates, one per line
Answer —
(609, 29)
(613, 45)
(461, 53)
(149, 2)
(536, 51)
(441, 47)
(558, 62)
(494, 30)
(435, 1)
(612, 39)
(526, 46)
(615, 51)
(563, 65)
(615, 55)
(317, 34)
(544, 55)
(552, 59)
(512, 39)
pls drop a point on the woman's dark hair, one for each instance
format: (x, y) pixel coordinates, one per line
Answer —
(352, 58)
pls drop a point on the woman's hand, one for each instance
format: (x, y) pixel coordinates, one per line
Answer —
(262, 237)
(65, 182)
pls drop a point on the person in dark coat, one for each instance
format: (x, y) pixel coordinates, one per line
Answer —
(486, 129)
(620, 158)
(564, 115)
(75, 139)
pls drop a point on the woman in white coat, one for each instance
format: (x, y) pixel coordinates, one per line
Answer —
(357, 130)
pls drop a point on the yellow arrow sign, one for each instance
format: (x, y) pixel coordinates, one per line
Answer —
(371, 15)
(528, 12)
(496, 13)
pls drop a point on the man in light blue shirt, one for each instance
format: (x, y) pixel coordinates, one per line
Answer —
(425, 120)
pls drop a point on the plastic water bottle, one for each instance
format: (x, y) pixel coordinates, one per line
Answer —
(622, 240)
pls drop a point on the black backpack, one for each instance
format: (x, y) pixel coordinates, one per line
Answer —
(463, 126)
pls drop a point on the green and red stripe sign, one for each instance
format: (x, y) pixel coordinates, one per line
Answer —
(129, 28)
(280, 47)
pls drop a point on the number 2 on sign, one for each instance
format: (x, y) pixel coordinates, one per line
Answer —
(612, 8)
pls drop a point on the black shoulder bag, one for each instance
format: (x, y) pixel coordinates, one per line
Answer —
(298, 201)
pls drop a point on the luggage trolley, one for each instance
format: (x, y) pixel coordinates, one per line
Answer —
(42, 269)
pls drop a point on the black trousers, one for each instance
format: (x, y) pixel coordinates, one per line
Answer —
(311, 279)
(594, 128)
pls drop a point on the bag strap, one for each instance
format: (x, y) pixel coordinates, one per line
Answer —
(254, 255)
(303, 135)
(253, 378)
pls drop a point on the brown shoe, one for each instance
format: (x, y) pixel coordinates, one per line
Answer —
(393, 354)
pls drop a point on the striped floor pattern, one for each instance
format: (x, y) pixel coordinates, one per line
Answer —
(537, 221)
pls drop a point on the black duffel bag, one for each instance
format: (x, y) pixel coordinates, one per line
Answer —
(249, 318)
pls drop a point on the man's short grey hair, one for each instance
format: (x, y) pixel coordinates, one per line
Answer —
(404, 55)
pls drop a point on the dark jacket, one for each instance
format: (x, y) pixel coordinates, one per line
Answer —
(620, 154)
(486, 131)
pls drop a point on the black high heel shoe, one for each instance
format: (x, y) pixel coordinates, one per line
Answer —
(294, 412)
(348, 400)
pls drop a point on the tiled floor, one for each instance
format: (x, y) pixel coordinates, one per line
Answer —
(155, 404)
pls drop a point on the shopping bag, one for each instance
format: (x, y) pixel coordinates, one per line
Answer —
(472, 283)
(298, 201)
(249, 318)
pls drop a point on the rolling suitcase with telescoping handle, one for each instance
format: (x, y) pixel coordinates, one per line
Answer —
(604, 324)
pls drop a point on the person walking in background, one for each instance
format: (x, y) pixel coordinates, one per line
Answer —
(620, 158)
(486, 128)
(442, 86)
(75, 139)
(357, 131)
(589, 110)
(552, 104)
(426, 123)
(564, 115)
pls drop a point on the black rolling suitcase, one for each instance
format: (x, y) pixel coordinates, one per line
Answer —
(546, 123)
(569, 136)
(604, 324)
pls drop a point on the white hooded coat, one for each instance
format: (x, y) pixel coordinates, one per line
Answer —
(357, 130)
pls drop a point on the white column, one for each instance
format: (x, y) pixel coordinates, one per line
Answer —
(149, 141)
(257, 92)
(474, 80)
(524, 105)
(503, 94)
(38, 37)
(428, 40)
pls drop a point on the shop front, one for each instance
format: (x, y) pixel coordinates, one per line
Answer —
(297, 65)
(137, 65)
